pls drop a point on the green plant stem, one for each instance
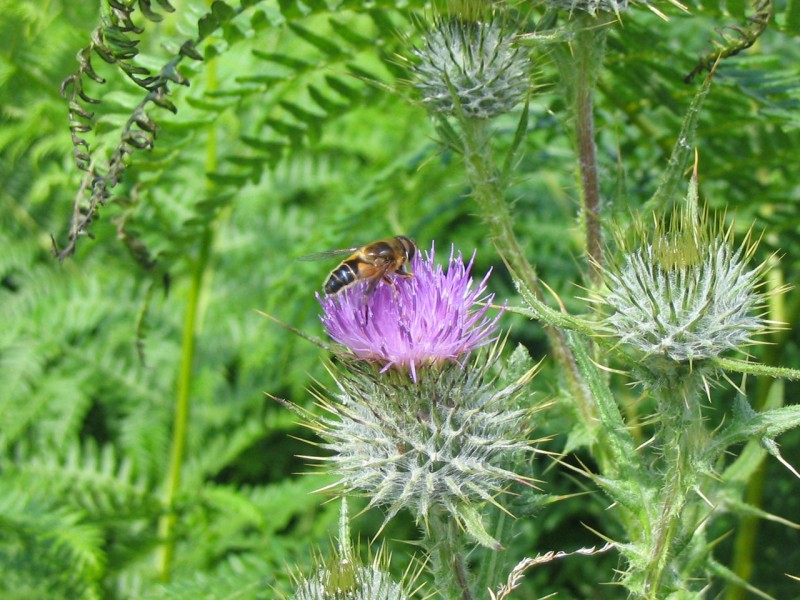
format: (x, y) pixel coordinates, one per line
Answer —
(489, 193)
(447, 560)
(684, 443)
(588, 51)
(199, 273)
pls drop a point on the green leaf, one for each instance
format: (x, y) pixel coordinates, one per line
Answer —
(325, 46)
(342, 88)
(473, 525)
(206, 26)
(296, 64)
(301, 114)
(672, 181)
(325, 103)
(221, 11)
(513, 158)
(617, 438)
(351, 36)
(751, 368)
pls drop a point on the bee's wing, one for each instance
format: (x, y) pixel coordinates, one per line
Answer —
(327, 254)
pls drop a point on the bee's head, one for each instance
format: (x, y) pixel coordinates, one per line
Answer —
(409, 245)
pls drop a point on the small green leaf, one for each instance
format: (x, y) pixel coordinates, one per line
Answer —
(189, 50)
(473, 525)
(221, 11)
(206, 26)
(325, 103)
(325, 46)
(293, 132)
(232, 33)
(512, 158)
(295, 64)
(674, 176)
(350, 36)
(301, 114)
(617, 437)
(342, 88)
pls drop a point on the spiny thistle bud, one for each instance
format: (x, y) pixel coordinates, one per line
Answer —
(444, 443)
(423, 320)
(470, 67)
(685, 294)
(344, 577)
(592, 7)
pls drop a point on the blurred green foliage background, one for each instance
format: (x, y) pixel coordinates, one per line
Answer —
(296, 135)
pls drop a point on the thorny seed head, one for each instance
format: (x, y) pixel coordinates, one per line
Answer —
(446, 443)
(684, 293)
(470, 67)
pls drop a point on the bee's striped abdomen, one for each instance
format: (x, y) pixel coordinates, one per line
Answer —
(342, 276)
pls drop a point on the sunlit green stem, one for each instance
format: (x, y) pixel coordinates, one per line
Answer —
(684, 442)
(200, 269)
(488, 189)
(447, 558)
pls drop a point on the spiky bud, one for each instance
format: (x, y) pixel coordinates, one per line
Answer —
(445, 443)
(684, 293)
(344, 577)
(470, 67)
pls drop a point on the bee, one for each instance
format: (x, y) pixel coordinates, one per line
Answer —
(372, 264)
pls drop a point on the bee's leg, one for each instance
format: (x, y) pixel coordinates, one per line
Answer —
(402, 272)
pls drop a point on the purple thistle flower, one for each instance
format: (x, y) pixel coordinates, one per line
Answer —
(421, 320)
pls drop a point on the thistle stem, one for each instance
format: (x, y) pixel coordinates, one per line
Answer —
(684, 441)
(588, 49)
(449, 568)
(200, 271)
(488, 190)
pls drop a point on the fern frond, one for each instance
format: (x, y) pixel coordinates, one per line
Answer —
(47, 549)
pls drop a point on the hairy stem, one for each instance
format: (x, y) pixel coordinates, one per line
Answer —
(684, 443)
(447, 559)
(588, 51)
(200, 271)
(489, 193)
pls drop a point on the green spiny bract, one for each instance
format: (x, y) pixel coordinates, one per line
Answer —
(591, 7)
(344, 577)
(685, 294)
(444, 444)
(470, 68)
(342, 580)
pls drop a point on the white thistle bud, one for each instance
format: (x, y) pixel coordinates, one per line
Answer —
(685, 294)
(444, 444)
(344, 577)
(470, 67)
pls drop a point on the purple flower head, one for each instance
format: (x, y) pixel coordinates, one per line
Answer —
(425, 319)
